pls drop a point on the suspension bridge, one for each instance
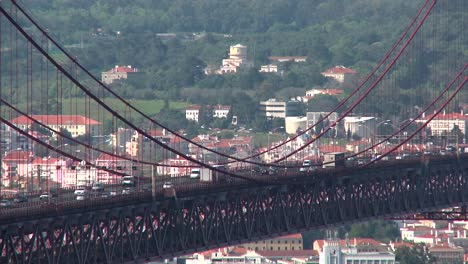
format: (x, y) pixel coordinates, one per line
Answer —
(133, 207)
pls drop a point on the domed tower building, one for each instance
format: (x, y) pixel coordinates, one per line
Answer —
(237, 59)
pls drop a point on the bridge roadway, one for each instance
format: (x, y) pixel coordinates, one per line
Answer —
(201, 216)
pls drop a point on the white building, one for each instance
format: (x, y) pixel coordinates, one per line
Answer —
(294, 123)
(192, 112)
(334, 253)
(279, 109)
(221, 111)
(269, 68)
(339, 73)
(363, 126)
(288, 58)
(444, 123)
(77, 125)
(313, 92)
(116, 73)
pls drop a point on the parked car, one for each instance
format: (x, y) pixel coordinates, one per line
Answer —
(5, 203)
(20, 199)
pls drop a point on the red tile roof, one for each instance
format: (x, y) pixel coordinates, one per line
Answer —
(38, 161)
(17, 155)
(56, 120)
(123, 69)
(155, 133)
(288, 58)
(289, 253)
(292, 236)
(339, 70)
(353, 241)
(450, 116)
(193, 107)
(221, 107)
(332, 148)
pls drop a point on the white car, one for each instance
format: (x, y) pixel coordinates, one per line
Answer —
(167, 185)
(306, 165)
(127, 191)
(195, 173)
(81, 197)
(80, 191)
(128, 181)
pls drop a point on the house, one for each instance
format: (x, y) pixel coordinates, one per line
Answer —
(292, 242)
(192, 112)
(221, 111)
(171, 168)
(313, 92)
(77, 125)
(117, 73)
(288, 58)
(339, 73)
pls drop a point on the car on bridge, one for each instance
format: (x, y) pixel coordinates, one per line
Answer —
(20, 199)
(81, 197)
(128, 181)
(98, 187)
(80, 191)
(306, 165)
(167, 185)
(47, 196)
(5, 203)
(259, 170)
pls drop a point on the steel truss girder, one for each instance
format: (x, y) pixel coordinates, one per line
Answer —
(199, 222)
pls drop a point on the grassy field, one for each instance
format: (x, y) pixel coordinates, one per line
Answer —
(149, 107)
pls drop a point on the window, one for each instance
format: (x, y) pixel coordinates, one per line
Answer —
(292, 248)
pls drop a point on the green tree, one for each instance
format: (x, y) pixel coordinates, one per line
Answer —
(380, 230)
(414, 255)
(322, 103)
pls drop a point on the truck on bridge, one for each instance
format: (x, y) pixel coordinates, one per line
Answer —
(207, 175)
(334, 160)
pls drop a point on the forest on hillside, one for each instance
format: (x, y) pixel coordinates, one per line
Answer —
(172, 41)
